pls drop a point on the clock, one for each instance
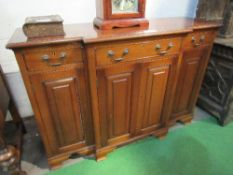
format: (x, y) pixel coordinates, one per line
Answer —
(112, 14)
(124, 6)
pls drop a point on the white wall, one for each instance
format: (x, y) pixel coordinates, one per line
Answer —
(14, 12)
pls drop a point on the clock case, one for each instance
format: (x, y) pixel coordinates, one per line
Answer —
(106, 20)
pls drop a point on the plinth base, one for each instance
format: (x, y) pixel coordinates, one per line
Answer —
(120, 23)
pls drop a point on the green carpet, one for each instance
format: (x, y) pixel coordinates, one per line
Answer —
(201, 148)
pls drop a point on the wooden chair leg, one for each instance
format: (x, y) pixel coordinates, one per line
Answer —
(15, 116)
(10, 156)
(19, 143)
(2, 141)
(9, 161)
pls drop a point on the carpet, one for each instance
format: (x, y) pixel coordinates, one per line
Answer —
(201, 148)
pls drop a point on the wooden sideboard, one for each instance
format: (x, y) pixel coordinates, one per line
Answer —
(94, 90)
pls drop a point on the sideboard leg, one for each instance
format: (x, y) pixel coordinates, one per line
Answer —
(161, 134)
(100, 157)
(55, 163)
(101, 154)
(186, 120)
(10, 161)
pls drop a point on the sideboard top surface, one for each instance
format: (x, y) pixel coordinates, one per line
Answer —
(89, 34)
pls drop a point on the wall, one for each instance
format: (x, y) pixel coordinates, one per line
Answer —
(13, 14)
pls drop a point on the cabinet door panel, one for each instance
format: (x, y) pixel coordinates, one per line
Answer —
(63, 105)
(190, 79)
(155, 91)
(115, 91)
(119, 90)
(60, 97)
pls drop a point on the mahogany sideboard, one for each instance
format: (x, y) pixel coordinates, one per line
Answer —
(94, 90)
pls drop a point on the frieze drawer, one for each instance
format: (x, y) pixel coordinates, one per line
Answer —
(199, 38)
(115, 53)
(49, 57)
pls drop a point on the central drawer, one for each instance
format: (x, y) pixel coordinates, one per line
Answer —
(123, 52)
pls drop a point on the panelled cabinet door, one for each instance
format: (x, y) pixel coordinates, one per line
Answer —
(155, 91)
(116, 89)
(190, 79)
(62, 105)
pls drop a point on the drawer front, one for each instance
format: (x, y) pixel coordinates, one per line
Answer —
(199, 38)
(115, 53)
(47, 57)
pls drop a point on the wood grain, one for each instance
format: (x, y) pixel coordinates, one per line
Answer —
(194, 62)
(115, 86)
(89, 34)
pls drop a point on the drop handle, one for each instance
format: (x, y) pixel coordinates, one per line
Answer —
(47, 59)
(202, 39)
(197, 44)
(163, 52)
(111, 55)
(62, 55)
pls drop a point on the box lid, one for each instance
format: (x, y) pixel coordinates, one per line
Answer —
(44, 19)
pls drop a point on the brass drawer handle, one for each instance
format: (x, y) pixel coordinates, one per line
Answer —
(163, 52)
(111, 55)
(62, 57)
(195, 43)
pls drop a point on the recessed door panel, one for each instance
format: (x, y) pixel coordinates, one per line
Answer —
(116, 86)
(62, 100)
(190, 79)
(65, 110)
(155, 92)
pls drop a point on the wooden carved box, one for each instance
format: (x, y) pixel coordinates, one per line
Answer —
(43, 26)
